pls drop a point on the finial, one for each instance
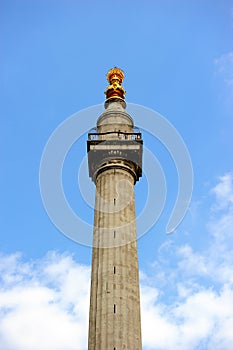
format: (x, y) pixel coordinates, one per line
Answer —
(115, 76)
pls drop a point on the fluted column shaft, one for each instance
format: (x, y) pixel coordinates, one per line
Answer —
(114, 322)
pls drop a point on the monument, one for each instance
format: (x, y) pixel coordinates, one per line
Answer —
(115, 164)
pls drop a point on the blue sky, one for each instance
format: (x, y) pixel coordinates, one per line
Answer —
(178, 60)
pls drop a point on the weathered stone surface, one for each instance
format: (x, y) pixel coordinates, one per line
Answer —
(114, 321)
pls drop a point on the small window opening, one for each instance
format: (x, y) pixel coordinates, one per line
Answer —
(114, 269)
(114, 308)
(114, 201)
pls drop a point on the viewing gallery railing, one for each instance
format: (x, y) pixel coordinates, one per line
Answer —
(95, 136)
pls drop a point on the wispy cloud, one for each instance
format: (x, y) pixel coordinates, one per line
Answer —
(224, 66)
(224, 192)
(187, 304)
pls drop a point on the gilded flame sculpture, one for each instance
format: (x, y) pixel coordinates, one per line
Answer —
(115, 77)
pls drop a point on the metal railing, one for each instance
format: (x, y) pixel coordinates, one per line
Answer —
(95, 136)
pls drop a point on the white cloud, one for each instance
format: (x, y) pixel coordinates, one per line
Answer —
(203, 320)
(45, 306)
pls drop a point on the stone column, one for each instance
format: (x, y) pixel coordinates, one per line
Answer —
(115, 304)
